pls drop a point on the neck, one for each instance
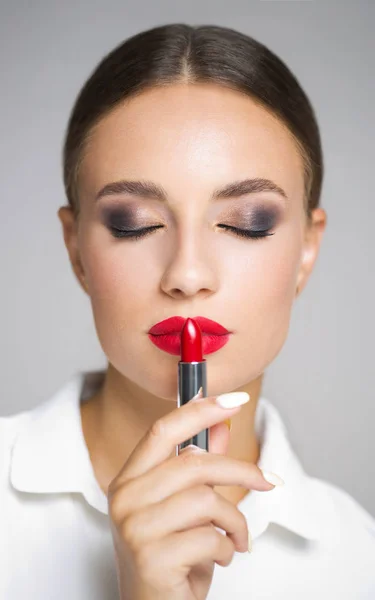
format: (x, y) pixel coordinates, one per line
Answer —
(116, 418)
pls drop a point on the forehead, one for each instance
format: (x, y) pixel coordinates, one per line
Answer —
(182, 132)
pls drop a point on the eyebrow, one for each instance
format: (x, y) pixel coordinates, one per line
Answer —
(148, 189)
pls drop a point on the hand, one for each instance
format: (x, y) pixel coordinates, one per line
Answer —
(163, 509)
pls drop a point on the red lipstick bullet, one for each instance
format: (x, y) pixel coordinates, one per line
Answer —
(191, 342)
(192, 375)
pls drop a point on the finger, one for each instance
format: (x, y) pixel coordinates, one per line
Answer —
(219, 438)
(169, 431)
(185, 510)
(184, 550)
(183, 472)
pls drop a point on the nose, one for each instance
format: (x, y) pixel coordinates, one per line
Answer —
(191, 270)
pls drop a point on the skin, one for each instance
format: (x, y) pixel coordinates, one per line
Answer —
(191, 139)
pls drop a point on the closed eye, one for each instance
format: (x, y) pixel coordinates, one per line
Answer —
(248, 233)
(136, 234)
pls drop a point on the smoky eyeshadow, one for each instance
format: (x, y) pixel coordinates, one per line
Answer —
(256, 218)
(262, 218)
(121, 218)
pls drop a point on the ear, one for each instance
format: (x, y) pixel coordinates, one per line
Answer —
(70, 231)
(313, 237)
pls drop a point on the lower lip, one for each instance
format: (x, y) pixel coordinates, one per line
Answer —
(171, 342)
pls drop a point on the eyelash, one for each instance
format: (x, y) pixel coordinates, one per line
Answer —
(140, 233)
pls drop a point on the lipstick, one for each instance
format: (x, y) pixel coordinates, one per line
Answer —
(192, 375)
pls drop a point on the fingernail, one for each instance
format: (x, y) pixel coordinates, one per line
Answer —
(194, 448)
(232, 399)
(250, 543)
(228, 422)
(272, 478)
(197, 396)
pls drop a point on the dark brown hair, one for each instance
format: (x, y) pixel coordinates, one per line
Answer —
(194, 54)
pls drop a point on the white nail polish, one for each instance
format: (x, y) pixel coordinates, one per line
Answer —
(193, 448)
(197, 396)
(272, 478)
(232, 399)
(250, 543)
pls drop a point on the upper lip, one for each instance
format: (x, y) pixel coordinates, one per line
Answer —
(175, 324)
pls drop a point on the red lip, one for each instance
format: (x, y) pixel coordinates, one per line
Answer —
(174, 325)
(166, 335)
(171, 342)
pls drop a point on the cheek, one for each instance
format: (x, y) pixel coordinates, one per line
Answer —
(265, 282)
(119, 287)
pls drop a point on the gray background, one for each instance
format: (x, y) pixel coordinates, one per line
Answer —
(323, 380)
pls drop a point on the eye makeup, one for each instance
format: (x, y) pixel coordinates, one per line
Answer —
(122, 217)
(124, 221)
(257, 218)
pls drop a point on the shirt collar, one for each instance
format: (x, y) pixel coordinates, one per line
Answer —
(50, 456)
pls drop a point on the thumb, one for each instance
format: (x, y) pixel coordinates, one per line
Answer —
(218, 439)
(219, 436)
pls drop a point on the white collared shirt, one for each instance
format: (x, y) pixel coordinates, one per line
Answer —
(311, 539)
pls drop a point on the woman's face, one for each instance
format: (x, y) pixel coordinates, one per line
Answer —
(191, 140)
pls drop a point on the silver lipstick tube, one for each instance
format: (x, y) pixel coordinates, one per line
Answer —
(191, 377)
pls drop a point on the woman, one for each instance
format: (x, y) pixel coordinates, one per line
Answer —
(193, 171)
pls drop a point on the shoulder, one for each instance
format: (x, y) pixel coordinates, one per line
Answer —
(347, 508)
(10, 427)
(349, 525)
(348, 540)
